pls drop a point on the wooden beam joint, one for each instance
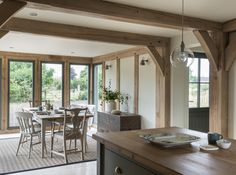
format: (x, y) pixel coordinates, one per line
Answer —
(158, 59)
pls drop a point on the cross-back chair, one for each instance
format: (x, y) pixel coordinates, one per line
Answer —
(74, 129)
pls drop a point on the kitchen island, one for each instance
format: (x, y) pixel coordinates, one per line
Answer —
(127, 154)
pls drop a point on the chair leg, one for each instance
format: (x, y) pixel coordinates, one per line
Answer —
(70, 144)
(52, 140)
(31, 145)
(65, 152)
(45, 147)
(75, 144)
(82, 148)
(21, 137)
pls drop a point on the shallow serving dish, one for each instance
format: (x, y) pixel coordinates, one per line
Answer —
(170, 139)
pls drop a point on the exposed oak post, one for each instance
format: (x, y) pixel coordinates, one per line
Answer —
(161, 58)
(136, 83)
(8, 9)
(91, 84)
(214, 47)
(5, 90)
(37, 81)
(208, 46)
(118, 78)
(103, 80)
(66, 83)
(221, 124)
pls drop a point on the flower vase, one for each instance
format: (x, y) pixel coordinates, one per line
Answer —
(110, 105)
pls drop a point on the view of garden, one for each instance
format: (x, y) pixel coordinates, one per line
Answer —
(21, 85)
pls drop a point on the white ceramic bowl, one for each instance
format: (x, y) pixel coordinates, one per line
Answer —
(222, 143)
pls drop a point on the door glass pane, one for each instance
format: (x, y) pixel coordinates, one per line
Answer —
(79, 84)
(193, 95)
(20, 88)
(204, 73)
(204, 95)
(52, 84)
(193, 71)
(97, 88)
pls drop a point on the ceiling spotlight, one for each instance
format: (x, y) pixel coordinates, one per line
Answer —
(33, 14)
(144, 61)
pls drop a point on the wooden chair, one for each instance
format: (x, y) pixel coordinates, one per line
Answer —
(27, 130)
(74, 129)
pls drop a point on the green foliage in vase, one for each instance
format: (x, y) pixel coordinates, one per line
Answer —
(109, 95)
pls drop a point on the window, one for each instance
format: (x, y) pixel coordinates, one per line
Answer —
(199, 82)
(52, 83)
(97, 82)
(20, 87)
(79, 84)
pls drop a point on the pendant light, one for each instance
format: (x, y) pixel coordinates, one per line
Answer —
(182, 55)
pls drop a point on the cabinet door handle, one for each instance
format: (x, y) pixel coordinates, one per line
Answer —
(118, 170)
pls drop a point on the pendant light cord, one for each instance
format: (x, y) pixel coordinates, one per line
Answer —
(182, 20)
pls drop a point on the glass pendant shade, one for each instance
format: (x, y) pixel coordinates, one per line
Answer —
(181, 56)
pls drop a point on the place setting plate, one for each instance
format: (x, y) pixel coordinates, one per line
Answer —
(170, 139)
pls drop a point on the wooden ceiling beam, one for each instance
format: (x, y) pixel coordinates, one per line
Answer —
(208, 46)
(3, 33)
(229, 26)
(8, 9)
(77, 32)
(125, 13)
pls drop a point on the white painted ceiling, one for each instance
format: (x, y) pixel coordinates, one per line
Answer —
(30, 43)
(217, 10)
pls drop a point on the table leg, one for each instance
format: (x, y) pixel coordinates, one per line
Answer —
(43, 130)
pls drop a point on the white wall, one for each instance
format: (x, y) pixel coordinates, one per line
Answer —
(147, 87)
(111, 74)
(179, 84)
(232, 102)
(127, 81)
(147, 93)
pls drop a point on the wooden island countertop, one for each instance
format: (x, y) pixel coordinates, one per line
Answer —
(189, 160)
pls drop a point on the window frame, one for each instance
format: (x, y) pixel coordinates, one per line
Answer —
(199, 56)
(8, 95)
(80, 64)
(63, 78)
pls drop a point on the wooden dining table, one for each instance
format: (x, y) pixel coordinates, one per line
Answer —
(46, 119)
